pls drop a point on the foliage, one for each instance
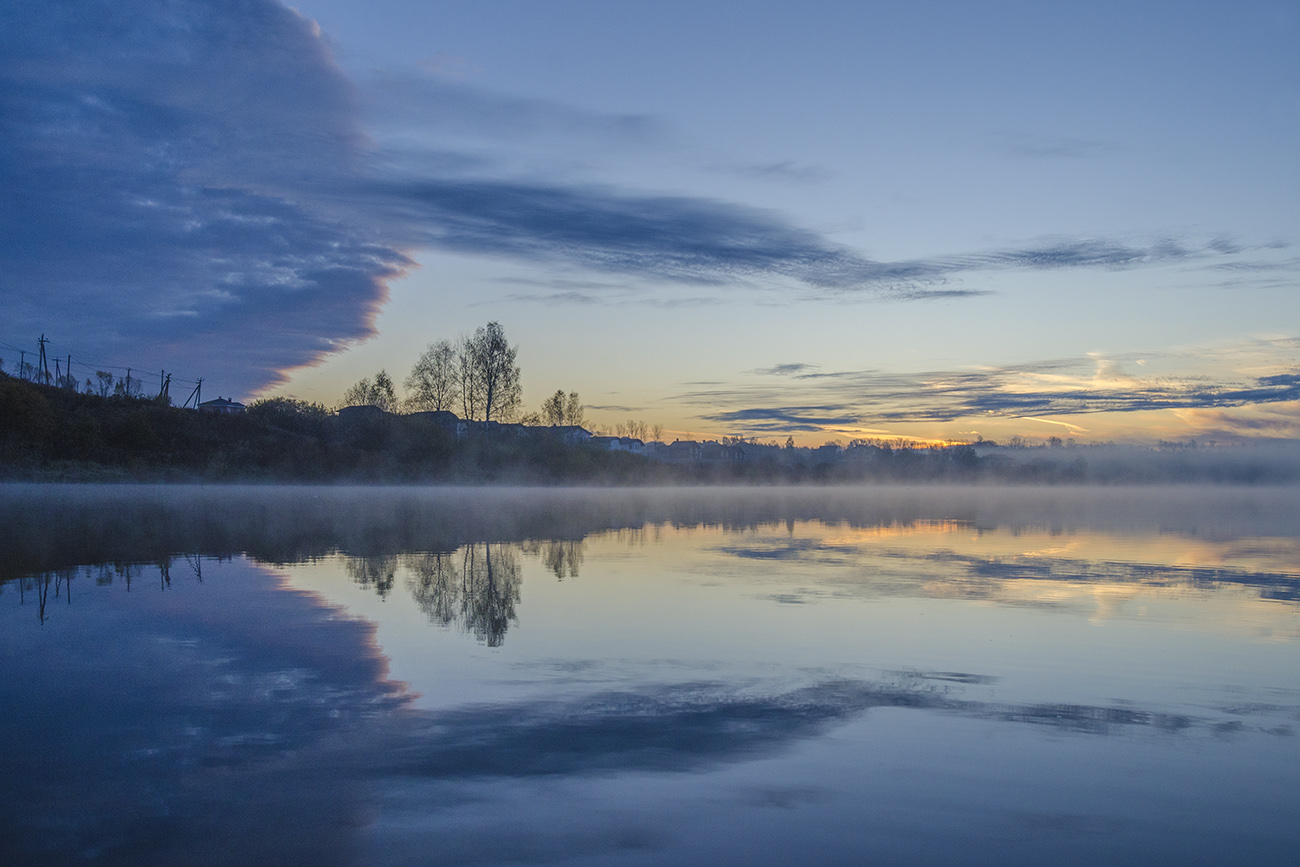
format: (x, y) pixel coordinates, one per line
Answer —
(559, 409)
(103, 385)
(380, 393)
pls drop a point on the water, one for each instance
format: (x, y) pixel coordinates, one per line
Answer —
(828, 676)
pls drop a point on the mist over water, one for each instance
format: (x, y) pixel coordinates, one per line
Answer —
(900, 675)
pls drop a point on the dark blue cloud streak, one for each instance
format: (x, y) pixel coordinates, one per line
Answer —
(870, 397)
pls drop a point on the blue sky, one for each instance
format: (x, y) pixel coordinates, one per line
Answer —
(944, 220)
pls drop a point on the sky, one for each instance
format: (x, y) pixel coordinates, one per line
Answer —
(836, 221)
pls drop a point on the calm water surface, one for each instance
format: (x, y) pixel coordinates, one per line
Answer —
(235, 676)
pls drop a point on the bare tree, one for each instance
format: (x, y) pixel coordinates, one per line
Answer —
(573, 410)
(495, 376)
(434, 381)
(467, 379)
(559, 409)
(104, 386)
(553, 408)
(127, 386)
(379, 393)
(632, 428)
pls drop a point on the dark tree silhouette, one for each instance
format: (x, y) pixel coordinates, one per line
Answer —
(493, 376)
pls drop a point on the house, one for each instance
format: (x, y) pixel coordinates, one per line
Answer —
(715, 451)
(221, 406)
(618, 444)
(656, 450)
(445, 419)
(570, 433)
(357, 413)
(683, 450)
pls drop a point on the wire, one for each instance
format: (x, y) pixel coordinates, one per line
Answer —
(61, 358)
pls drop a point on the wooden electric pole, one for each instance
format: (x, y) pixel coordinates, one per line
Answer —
(44, 367)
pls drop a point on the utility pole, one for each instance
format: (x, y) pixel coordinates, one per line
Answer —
(72, 383)
(166, 385)
(22, 364)
(196, 393)
(44, 362)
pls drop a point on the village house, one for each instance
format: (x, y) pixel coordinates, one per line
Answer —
(221, 406)
(445, 419)
(618, 444)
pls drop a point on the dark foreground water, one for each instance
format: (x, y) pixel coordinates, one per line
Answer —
(227, 676)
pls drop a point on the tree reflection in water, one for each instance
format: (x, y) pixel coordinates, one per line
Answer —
(562, 557)
(378, 572)
(476, 586)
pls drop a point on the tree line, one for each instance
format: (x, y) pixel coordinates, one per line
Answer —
(476, 376)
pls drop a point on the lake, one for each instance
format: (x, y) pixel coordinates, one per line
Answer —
(400, 676)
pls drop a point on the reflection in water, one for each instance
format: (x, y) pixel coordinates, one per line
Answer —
(476, 586)
(215, 696)
(562, 557)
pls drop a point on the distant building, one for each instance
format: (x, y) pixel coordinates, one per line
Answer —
(356, 413)
(715, 451)
(570, 433)
(445, 419)
(656, 450)
(221, 406)
(683, 450)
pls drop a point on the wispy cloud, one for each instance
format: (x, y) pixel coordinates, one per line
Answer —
(1032, 146)
(789, 369)
(1058, 388)
(791, 418)
(396, 100)
(782, 170)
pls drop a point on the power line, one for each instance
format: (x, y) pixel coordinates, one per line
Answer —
(40, 370)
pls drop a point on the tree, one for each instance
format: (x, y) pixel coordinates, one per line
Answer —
(434, 381)
(104, 387)
(573, 410)
(553, 408)
(127, 386)
(561, 410)
(494, 376)
(467, 379)
(379, 393)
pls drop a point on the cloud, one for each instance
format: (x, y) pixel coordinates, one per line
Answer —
(196, 185)
(396, 99)
(802, 418)
(1054, 387)
(786, 369)
(782, 170)
(1055, 147)
(164, 175)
